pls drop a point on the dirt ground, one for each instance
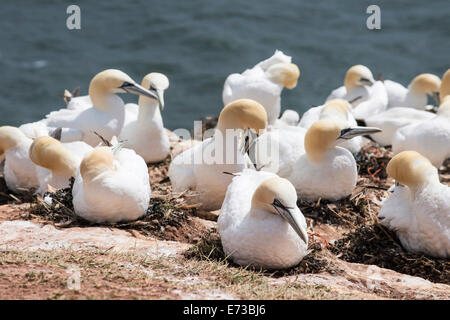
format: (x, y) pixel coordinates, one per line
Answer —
(174, 252)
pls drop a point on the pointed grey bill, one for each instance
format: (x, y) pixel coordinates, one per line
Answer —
(352, 132)
(286, 214)
(135, 88)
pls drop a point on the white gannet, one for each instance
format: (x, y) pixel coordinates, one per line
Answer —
(415, 96)
(263, 83)
(288, 118)
(144, 131)
(357, 82)
(340, 110)
(19, 170)
(201, 167)
(111, 185)
(419, 209)
(392, 119)
(431, 138)
(260, 224)
(367, 96)
(326, 170)
(56, 162)
(105, 115)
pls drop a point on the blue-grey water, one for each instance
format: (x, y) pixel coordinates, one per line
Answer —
(197, 43)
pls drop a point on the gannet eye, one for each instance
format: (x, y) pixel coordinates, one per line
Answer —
(126, 84)
(152, 88)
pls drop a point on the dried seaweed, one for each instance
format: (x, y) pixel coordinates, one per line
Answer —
(375, 245)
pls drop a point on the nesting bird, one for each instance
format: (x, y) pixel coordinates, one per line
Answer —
(260, 224)
(326, 170)
(340, 110)
(111, 185)
(263, 83)
(431, 138)
(103, 112)
(19, 170)
(368, 97)
(201, 167)
(419, 209)
(143, 130)
(415, 96)
(56, 162)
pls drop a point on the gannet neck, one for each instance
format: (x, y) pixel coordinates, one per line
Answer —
(49, 153)
(277, 57)
(425, 83)
(157, 83)
(444, 90)
(285, 74)
(242, 114)
(412, 169)
(320, 138)
(358, 76)
(11, 137)
(105, 85)
(149, 111)
(98, 161)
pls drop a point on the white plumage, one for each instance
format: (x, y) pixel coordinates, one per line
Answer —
(391, 120)
(253, 230)
(105, 115)
(263, 83)
(143, 130)
(201, 168)
(418, 212)
(111, 186)
(19, 170)
(415, 95)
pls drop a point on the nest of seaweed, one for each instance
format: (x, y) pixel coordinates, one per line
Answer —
(375, 245)
(7, 196)
(168, 217)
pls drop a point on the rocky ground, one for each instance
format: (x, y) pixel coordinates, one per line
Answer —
(174, 252)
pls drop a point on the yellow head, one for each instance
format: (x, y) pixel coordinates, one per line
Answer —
(411, 169)
(243, 114)
(425, 83)
(10, 137)
(49, 153)
(156, 83)
(320, 137)
(358, 76)
(286, 74)
(336, 108)
(96, 162)
(444, 91)
(112, 81)
(278, 196)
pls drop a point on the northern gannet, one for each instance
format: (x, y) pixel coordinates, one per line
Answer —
(338, 109)
(201, 168)
(415, 96)
(326, 170)
(19, 170)
(368, 97)
(111, 185)
(419, 209)
(391, 120)
(263, 83)
(431, 138)
(105, 115)
(143, 130)
(260, 224)
(56, 162)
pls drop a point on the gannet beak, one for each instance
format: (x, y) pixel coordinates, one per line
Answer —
(135, 88)
(160, 94)
(286, 214)
(349, 133)
(367, 81)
